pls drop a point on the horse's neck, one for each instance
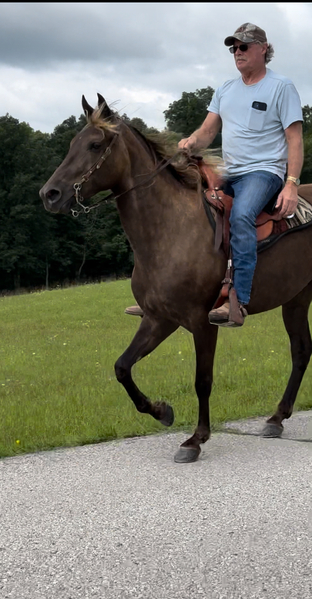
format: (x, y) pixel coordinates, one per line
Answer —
(161, 212)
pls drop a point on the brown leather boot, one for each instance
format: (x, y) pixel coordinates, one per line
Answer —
(221, 316)
(134, 311)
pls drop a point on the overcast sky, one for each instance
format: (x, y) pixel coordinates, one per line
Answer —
(139, 56)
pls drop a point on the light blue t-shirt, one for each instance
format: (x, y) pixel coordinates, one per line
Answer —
(254, 119)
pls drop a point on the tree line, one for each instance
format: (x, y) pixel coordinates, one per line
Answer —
(39, 249)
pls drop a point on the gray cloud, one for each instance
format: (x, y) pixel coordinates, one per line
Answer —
(35, 34)
(141, 55)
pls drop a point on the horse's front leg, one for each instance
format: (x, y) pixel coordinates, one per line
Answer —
(149, 335)
(205, 339)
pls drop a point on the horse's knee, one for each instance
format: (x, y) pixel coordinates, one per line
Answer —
(121, 371)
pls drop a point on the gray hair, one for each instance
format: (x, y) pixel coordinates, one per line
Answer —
(269, 54)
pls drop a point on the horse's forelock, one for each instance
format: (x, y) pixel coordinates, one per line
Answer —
(96, 120)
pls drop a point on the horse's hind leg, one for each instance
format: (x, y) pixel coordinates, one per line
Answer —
(205, 339)
(295, 316)
(149, 335)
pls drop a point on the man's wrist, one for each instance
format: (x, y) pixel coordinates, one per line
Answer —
(294, 180)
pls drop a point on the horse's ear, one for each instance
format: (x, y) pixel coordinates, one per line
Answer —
(88, 110)
(106, 112)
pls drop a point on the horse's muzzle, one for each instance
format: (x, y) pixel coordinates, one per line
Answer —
(54, 201)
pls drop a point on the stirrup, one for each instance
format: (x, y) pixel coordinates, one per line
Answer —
(232, 316)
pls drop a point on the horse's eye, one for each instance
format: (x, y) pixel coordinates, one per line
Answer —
(95, 145)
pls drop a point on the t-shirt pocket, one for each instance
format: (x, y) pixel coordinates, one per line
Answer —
(256, 119)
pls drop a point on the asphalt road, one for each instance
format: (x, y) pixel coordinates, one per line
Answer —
(121, 520)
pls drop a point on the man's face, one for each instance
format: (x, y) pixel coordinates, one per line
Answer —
(250, 59)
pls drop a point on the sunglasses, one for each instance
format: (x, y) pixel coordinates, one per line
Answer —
(242, 47)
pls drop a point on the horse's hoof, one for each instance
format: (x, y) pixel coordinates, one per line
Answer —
(186, 455)
(168, 418)
(271, 429)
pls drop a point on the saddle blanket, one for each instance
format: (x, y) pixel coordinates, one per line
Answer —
(302, 217)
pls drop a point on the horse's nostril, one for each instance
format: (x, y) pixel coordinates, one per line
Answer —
(53, 194)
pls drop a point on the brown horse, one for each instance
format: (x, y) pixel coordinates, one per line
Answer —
(177, 271)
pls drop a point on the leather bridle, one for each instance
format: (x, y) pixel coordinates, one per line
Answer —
(78, 186)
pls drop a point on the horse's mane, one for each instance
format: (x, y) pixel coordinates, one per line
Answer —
(183, 168)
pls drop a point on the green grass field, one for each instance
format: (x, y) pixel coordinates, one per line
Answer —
(57, 380)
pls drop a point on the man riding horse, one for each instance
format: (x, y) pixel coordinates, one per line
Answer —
(260, 116)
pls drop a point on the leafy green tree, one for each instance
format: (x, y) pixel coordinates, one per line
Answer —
(306, 174)
(62, 135)
(307, 119)
(37, 247)
(24, 224)
(102, 247)
(187, 114)
(115, 247)
(140, 125)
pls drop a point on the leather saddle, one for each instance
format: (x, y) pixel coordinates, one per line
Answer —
(222, 203)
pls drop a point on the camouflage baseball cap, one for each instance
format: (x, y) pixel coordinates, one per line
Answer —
(247, 33)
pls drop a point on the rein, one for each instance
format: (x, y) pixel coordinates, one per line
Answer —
(78, 186)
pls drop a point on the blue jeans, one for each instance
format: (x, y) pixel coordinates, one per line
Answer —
(251, 193)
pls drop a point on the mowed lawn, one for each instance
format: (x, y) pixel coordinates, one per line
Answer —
(57, 379)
